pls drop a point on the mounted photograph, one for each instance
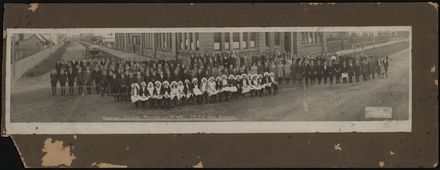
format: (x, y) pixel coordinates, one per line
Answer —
(208, 80)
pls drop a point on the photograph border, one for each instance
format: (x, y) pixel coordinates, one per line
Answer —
(203, 127)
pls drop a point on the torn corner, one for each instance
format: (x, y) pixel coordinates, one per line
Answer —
(381, 163)
(56, 154)
(19, 153)
(33, 7)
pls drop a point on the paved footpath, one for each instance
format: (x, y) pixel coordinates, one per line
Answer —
(27, 63)
(122, 54)
(354, 50)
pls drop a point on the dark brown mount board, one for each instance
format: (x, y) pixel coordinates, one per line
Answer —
(415, 149)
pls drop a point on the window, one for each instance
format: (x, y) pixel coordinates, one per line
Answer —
(235, 40)
(266, 38)
(253, 37)
(217, 40)
(191, 44)
(303, 37)
(197, 41)
(226, 40)
(186, 41)
(245, 38)
(136, 40)
(277, 38)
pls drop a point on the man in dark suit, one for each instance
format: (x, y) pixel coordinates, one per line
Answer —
(80, 81)
(53, 82)
(318, 71)
(70, 80)
(88, 80)
(337, 72)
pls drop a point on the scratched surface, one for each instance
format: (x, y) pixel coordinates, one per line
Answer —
(416, 149)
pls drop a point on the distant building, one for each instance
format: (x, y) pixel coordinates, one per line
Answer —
(24, 45)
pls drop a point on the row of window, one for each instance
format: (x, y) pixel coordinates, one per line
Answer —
(228, 41)
(311, 37)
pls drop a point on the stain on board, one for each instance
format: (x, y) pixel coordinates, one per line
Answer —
(33, 7)
(107, 165)
(56, 154)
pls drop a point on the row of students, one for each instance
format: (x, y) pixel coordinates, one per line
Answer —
(207, 90)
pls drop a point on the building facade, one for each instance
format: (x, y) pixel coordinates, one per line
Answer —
(171, 46)
(181, 45)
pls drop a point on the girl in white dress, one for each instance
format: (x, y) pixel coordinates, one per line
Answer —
(135, 94)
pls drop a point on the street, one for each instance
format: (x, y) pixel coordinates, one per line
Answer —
(31, 100)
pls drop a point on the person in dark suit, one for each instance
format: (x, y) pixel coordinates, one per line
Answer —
(114, 86)
(385, 65)
(357, 70)
(331, 71)
(307, 72)
(70, 80)
(188, 92)
(325, 72)
(122, 87)
(88, 80)
(319, 72)
(104, 83)
(96, 74)
(53, 82)
(365, 70)
(351, 71)
(80, 81)
(337, 72)
(62, 79)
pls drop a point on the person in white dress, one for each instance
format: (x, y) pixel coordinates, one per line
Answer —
(212, 91)
(135, 94)
(174, 93)
(204, 89)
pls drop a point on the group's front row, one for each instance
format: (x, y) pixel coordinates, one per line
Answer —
(212, 90)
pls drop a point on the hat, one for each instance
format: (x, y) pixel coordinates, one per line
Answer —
(237, 77)
(231, 76)
(266, 74)
(174, 82)
(186, 81)
(272, 74)
(204, 79)
(218, 78)
(211, 79)
(254, 75)
(243, 75)
(135, 85)
(224, 76)
(260, 76)
(166, 83)
(195, 80)
(143, 83)
(180, 83)
(157, 82)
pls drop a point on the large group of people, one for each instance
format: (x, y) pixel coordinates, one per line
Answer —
(208, 79)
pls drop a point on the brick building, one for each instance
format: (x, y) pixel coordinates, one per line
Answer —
(181, 45)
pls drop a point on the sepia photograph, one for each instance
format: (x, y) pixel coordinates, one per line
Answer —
(225, 80)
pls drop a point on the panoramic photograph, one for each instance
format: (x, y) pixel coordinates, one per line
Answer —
(114, 76)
